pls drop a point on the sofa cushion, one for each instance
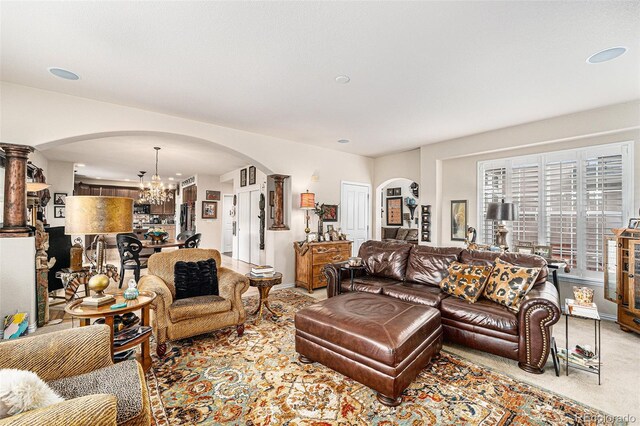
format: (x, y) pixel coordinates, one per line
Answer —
(200, 306)
(196, 278)
(368, 284)
(484, 313)
(429, 265)
(416, 293)
(122, 380)
(402, 234)
(389, 233)
(385, 259)
(478, 257)
(466, 281)
(508, 283)
(412, 235)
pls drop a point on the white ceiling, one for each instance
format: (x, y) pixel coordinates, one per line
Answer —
(420, 72)
(120, 158)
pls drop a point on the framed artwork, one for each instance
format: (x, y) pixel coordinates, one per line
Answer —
(58, 212)
(389, 192)
(330, 213)
(271, 208)
(544, 251)
(394, 211)
(329, 228)
(243, 177)
(397, 192)
(252, 175)
(209, 209)
(458, 220)
(212, 195)
(634, 223)
(59, 198)
(272, 198)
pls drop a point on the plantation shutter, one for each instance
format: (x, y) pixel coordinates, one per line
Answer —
(525, 192)
(493, 191)
(602, 181)
(561, 202)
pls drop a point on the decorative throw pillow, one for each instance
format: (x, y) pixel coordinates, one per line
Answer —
(194, 279)
(465, 281)
(508, 283)
(402, 234)
(412, 235)
(22, 390)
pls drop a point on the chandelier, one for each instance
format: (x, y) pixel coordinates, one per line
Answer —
(155, 192)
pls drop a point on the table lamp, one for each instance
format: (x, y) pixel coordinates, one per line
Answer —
(307, 202)
(501, 212)
(90, 215)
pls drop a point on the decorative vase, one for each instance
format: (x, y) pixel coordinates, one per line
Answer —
(131, 292)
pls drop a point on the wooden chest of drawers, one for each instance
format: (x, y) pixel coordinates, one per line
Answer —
(309, 263)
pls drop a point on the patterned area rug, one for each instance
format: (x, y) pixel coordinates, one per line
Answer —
(257, 379)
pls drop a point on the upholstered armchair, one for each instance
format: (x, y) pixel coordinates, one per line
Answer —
(75, 363)
(178, 319)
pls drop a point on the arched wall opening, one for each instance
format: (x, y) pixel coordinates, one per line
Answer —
(393, 188)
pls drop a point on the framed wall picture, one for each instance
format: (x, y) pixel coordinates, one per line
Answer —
(394, 211)
(389, 192)
(212, 195)
(330, 213)
(272, 198)
(397, 192)
(458, 220)
(544, 251)
(58, 212)
(59, 198)
(252, 175)
(209, 209)
(243, 177)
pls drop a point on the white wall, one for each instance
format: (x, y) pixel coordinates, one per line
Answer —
(211, 229)
(18, 278)
(60, 177)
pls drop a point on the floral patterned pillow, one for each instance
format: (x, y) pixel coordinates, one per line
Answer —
(509, 284)
(465, 281)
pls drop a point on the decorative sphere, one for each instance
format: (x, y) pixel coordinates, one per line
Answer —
(99, 282)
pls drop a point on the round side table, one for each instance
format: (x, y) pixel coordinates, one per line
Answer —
(264, 285)
(86, 313)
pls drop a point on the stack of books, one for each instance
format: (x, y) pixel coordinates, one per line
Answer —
(585, 311)
(96, 302)
(579, 356)
(264, 271)
(127, 335)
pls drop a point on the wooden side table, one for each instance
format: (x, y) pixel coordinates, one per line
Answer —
(264, 285)
(143, 302)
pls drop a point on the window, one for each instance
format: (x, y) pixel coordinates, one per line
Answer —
(568, 200)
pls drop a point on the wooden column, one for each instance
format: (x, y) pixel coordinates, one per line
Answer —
(278, 200)
(15, 191)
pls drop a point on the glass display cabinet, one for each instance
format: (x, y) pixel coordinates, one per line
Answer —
(622, 276)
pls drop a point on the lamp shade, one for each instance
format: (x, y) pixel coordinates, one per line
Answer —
(307, 200)
(89, 215)
(501, 211)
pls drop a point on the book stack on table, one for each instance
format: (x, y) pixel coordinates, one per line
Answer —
(264, 271)
(584, 311)
(582, 356)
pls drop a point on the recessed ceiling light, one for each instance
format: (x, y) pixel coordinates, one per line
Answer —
(62, 73)
(344, 141)
(98, 177)
(606, 55)
(342, 79)
(80, 165)
(127, 180)
(171, 178)
(178, 174)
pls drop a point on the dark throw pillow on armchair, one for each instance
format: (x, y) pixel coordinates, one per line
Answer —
(196, 278)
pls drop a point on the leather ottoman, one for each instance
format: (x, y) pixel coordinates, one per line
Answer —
(376, 340)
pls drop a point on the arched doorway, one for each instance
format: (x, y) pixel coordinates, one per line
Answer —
(395, 188)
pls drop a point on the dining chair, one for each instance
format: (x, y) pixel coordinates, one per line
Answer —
(193, 241)
(184, 235)
(130, 249)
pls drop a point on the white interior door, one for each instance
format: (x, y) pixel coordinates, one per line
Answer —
(355, 213)
(244, 226)
(227, 224)
(255, 227)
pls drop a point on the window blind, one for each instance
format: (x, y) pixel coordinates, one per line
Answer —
(561, 208)
(493, 191)
(525, 192)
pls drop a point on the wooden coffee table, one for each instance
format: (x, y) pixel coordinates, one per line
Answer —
(85, 313)
(264, 286)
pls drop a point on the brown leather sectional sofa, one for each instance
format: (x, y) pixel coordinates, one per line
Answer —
(411, 273)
